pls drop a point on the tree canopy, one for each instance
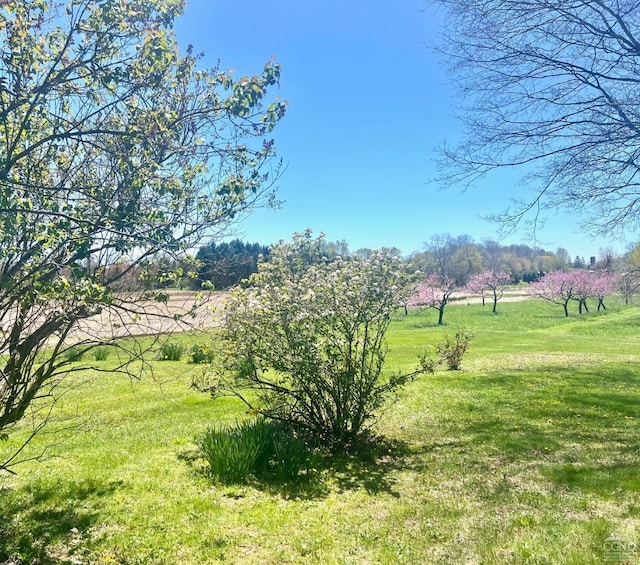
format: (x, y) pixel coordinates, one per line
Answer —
(115, 147)
(550, 87)
(227, 263)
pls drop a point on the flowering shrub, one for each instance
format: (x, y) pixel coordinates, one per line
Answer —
(201, 353)
(307, 335)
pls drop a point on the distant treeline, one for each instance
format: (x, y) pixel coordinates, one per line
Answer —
(225, 264)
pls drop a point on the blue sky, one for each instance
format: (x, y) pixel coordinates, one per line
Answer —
(368, 103)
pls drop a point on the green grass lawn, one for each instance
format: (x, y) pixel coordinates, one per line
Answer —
(530, 454)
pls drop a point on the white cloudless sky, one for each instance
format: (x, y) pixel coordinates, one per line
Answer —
(368, 104)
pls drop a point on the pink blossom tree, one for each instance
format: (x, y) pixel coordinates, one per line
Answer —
(582, 288)
(556, 287)
(490, 281)
(603, 284)
(434, 292)
(559, 287)
(590, 284)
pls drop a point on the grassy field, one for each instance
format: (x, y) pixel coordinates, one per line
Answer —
(530, 454)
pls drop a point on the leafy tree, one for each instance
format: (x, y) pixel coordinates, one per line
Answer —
(633, 258)
(493, 281)
(546, 261)
(466, 262)
(579, 262)
(453, 257)
(115, 148)
(550, 87)
(439, 251)
(493, 257)
(563, 257)
(363, 252)
(519, 267)
(308, 338)
(333, 249)
(459, 257)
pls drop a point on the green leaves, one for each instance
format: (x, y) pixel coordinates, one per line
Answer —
(249, 92)
(115, 151)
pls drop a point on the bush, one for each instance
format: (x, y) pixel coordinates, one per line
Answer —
(307, 337)
(171, 351)
(201, 353)
(452, 351)
(256, 448)
(291, 455)
(75, 353)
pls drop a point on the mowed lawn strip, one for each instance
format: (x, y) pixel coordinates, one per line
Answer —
(530, 454)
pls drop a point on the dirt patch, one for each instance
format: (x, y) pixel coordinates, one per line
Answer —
(182, 311)
(148, 317)
(509, 296)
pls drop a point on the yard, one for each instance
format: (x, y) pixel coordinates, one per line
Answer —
(530, 454)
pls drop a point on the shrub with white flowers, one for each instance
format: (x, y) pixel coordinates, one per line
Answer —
(304, 341)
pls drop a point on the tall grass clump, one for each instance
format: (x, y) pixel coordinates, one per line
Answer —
(101, 353)
(254, 448)
(171, 351)
(75, 354)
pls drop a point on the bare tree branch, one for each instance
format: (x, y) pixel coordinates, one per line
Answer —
(551, 88)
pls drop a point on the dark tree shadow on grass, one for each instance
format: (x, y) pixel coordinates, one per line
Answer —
(45, 521)
(541, 417)
(370, 467)
(578, 427)
(605, 480)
